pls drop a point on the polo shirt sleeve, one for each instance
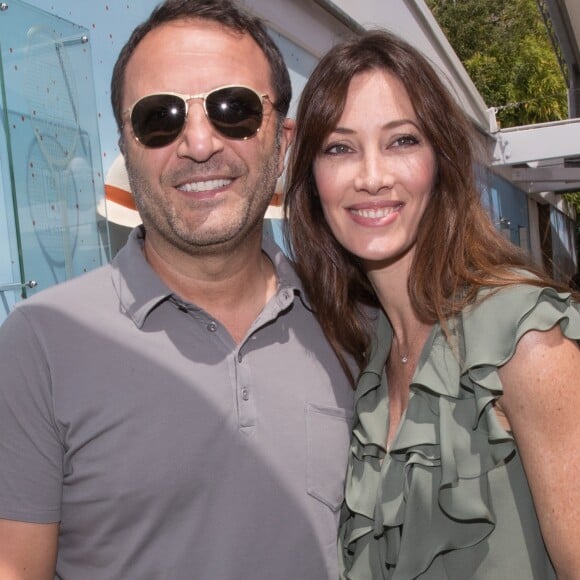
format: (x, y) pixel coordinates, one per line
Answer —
(31, 453)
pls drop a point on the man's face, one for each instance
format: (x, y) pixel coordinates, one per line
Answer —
(203, 193)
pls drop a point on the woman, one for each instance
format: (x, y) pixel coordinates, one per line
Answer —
(464, 460)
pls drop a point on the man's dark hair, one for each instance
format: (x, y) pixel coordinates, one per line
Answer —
(224, 12)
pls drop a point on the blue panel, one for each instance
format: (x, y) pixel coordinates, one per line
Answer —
(50, 165)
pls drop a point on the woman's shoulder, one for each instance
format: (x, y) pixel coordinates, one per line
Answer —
(492, 327)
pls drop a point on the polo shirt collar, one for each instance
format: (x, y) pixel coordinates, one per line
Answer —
(140, 290)
(138, 286)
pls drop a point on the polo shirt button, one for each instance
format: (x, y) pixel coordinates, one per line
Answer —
(212, 326)
(240, 357)
(245, 393)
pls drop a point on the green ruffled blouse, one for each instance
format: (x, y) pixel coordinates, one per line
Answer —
(449, 500)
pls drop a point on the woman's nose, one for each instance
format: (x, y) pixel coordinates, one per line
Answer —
(373, 173)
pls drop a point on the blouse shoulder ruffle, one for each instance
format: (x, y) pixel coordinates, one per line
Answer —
(434, 479)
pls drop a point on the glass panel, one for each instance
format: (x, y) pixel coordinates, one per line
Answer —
(9, 262)
(563, 250)
(51, 161)
(508, 207)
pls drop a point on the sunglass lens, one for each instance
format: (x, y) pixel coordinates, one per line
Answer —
(157, 120)
(236, 112)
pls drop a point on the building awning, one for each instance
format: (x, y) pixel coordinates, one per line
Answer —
(541, 157)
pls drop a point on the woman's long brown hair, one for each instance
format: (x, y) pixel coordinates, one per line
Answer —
(458, 249)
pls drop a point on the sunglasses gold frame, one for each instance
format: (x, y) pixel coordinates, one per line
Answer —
(186, 98)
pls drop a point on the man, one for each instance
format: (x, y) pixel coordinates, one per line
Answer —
(178, 414)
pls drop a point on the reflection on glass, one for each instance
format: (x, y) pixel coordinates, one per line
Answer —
(51, 173)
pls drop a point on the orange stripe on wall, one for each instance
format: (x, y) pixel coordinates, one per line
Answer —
(120, 196)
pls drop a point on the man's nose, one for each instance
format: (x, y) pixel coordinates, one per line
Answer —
(199, 139)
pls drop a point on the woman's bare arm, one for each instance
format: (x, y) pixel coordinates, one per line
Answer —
(542, 403)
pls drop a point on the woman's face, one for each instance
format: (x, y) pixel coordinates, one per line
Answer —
(376, 171)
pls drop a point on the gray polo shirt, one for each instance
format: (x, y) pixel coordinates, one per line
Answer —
(165, 450)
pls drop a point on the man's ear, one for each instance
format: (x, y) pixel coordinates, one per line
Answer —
(121, 143)
(286, 140)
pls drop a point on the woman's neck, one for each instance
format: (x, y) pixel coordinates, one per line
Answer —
(391, 286)
(409, 336)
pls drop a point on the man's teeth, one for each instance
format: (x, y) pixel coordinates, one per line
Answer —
(378, 212)
(205, 185)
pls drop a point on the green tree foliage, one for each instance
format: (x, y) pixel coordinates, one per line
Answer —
(574, 200)
(507, 52)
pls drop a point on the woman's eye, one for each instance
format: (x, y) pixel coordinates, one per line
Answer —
(337, 149)
(405, 140)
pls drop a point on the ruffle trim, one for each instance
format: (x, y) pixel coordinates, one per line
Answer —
(448, 441)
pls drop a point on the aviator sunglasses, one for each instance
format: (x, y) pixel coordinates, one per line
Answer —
(236, 112)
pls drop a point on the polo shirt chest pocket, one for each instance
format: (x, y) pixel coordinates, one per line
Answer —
(328, 439)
